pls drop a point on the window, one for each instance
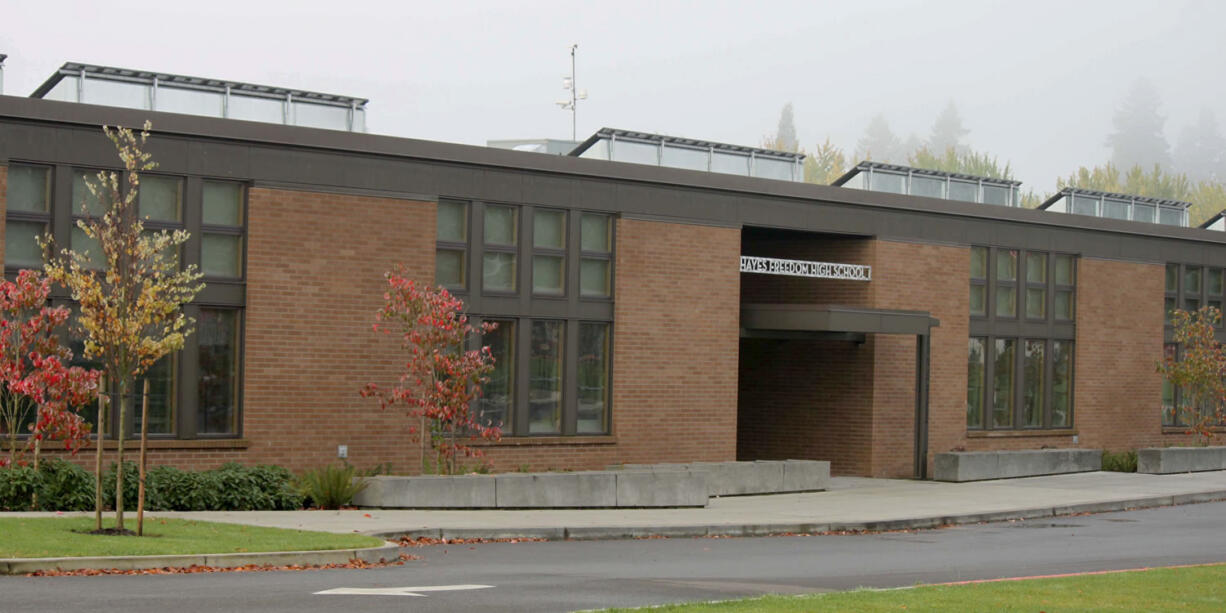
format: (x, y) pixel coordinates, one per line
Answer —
(1019, 369)
(29, 215)
(545, 382)
(546, 281)
(1190, 287)
(548, 252)
(221, 230)
(596, 245)
(501, 235)
(218, 331)
(451, 255)
(86, 204)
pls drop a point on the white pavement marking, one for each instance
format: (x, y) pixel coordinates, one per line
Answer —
(400, 591)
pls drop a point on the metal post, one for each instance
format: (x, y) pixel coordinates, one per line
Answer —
(573, 95)
(922, 355)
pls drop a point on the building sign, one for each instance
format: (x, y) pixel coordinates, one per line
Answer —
(800, 268)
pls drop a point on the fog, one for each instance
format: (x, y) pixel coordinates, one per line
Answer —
(1036, 83)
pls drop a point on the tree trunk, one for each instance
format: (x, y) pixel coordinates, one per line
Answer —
(124, 401)
(98, 453)
(421, 440)
(144, 435)
(38, 444)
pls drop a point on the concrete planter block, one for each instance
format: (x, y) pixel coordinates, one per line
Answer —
(662, 488)
(555, 490)
(982, 465)
(741, 478)
(1164, 461)
(805, 475)
(428, 492)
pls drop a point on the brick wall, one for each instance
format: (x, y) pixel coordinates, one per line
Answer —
(675, 338)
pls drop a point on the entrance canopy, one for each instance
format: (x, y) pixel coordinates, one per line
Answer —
(813, 322)
(805, 321)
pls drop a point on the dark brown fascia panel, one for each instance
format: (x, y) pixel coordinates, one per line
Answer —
(810, 318)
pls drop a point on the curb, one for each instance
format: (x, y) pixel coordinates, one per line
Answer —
(745, 530)
(382, 553)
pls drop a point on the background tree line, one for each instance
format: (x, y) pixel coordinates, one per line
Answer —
(1142, 161)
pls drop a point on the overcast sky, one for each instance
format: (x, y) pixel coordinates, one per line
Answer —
(1036, 82)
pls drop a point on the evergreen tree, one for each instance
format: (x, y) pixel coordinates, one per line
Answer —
(879, 143)
(1201, 150)
(948, 131)
(1139, 138)
(785, 134)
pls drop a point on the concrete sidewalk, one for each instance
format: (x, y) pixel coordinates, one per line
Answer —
(851, 504)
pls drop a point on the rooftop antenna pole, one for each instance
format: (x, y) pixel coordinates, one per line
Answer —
(575, 95)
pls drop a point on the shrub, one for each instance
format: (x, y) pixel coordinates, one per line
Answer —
(332, 486)
(1120, 462)
(65, 487)
(17, 487)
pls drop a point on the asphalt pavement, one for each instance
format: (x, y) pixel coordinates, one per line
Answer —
(572, 575)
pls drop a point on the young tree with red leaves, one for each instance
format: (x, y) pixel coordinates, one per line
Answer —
(1199, 369)
(442, 377)
(35, 379)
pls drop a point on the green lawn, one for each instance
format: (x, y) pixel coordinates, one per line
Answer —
(1200, 588)
(52, 537)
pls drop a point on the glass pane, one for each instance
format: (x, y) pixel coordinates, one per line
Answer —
(84, 245)
(1085, 205)
(593, 378)
(549, 229)
(1002, 382)
(1065, 274)
(114, 93)
(28, 188)
(594, 278)
(82, 199)
(1143, 212)
(1115, 209)
(888, 182)
(498, 394)
(931, 187)
(161, 397)
(449, 268)
(728, 163)
(773, 169)
(979, 300)
(1169, 417)
(1032, 384)
(452, 222)
(499, 225)
(961, 190)
(321, 116)
(1064, 305)
(221, 255)
(974, 383)
(1191, 280)
(498, 272)
(189, 102)
(218, 332)
(684, 157)
(1172, 277)
(1169, 306)
(255, 109)
(545, 378)
(994, 194)
(1036, 303)
(223, 203)
(636, 153)
(1214, 281)
(161, 198)
(1006, 301)
(1006, 265)
(1170, 217)
(1191, 304)
(1061, 384)
(1036, 268)
(21, 248)
(979, 262)
(547, 274)
(594, 233)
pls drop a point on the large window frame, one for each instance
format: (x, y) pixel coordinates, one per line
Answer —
(1030, 328)
(527, 306)
(224, 293)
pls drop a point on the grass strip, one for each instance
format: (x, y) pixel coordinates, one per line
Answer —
(1194, 588)
(54, 537)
